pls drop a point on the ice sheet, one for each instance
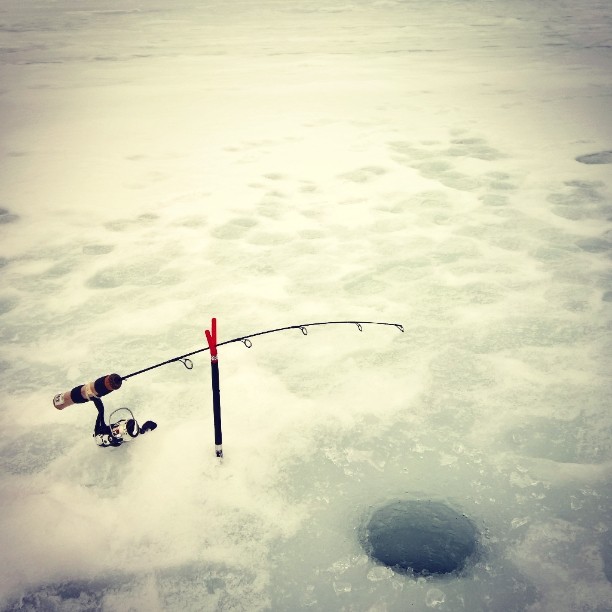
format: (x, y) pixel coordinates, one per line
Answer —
(443, 165)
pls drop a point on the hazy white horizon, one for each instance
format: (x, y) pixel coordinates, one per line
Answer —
(442, 165)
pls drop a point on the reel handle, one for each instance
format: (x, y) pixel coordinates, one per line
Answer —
(83, 393)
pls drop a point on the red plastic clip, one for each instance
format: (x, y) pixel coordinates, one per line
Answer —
(211, 337)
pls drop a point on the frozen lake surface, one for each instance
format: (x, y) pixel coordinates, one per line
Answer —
(445, 165)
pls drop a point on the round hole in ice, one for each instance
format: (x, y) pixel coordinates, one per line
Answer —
(420, 537)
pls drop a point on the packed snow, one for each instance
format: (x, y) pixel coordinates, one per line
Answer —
(441, 165)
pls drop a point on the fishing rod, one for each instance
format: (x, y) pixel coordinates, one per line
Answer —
(111, 382)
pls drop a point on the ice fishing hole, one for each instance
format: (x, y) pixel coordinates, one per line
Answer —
(420, 537)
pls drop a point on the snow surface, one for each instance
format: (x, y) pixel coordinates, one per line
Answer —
(444, 165)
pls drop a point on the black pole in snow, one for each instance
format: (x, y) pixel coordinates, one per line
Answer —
(211, 336)
(214, 365)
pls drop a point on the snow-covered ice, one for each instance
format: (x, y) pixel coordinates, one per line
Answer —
(445, 165)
